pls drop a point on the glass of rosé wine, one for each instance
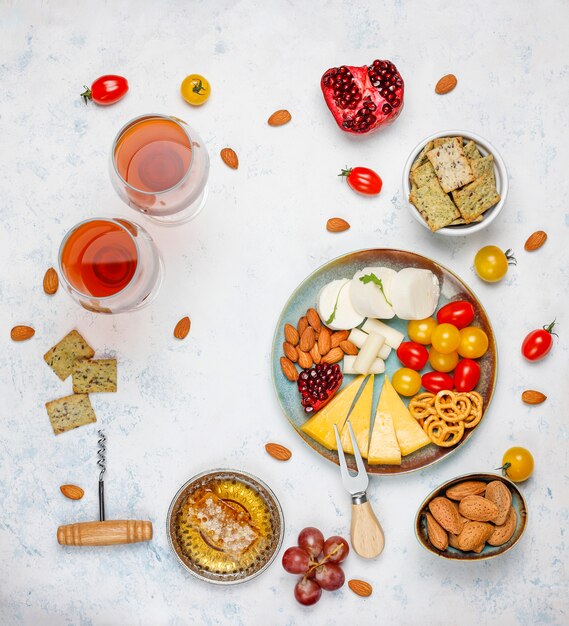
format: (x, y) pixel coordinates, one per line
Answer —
(110, 265)
(159, 166)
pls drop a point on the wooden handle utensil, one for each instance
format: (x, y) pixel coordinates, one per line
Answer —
(107, 533)
(366, 532)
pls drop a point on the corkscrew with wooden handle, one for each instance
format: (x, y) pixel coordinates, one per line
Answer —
(104, 532)
(366, 533)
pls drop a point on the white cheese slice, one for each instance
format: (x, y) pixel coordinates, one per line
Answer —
(393, 337)
(335, 306)
(369, 298)
(368, 353)
(414, 293)
(377, 367)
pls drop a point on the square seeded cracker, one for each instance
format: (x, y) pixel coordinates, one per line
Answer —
(70, 412)
(94, 376)
(471, 151)
(441, 141)
(477, 197)
(483, 166)
(421, 158)
(423, 175)
(436, 207)
(451, 166)
(62, 356)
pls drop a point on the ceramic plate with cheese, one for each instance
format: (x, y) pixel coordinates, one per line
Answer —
(403, 286)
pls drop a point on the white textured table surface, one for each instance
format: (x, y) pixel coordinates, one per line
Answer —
(207, 402)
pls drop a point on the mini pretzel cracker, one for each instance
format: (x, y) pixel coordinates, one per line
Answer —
(446, 415)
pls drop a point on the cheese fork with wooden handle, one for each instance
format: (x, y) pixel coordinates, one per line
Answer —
(366, 533)
(104, 532)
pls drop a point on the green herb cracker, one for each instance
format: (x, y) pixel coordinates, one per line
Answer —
(94, 376)
(64, 354)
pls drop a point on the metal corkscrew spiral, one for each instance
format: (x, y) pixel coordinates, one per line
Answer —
(101, 462)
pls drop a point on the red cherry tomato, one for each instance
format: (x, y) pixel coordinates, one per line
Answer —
(413, 355)
(538, 343)
(363, 180)
(106, 90)
(466, 375)
(459, 314)
(437, 381)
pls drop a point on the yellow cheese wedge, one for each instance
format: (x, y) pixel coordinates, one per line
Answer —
(361, 422)
(410, 435)
(321, 426)
(383, 447)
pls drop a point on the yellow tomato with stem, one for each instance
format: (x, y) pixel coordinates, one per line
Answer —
(491, 263)
(473, 342)
(442, 362)
(420, 331)
(406, 381)
(517, 464)
(195, 89)
(445, 338)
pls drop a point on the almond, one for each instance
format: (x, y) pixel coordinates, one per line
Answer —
(473, 535)
(304, 360)
(533, 397)
(21, 333)
(437, 534)
(73, 492)
(501, 496)
(182, 328)
(445, 514)
(278, 452)
(462, 519)
(290, 352)
(307, 339)
(229, 157)
(360, 587)
(314, 319)
(50, 282)
(315, 354)
(334, 356)
(302, 325)
(466, 488)
(453, 540)
(446, 83)
(535, 240)
(478, 549)
(289, 370)
(324, 341)
(291, 334)
(478, 509)
(278, 118)
(337, 225)
(503, 533)
(348, 347)
(338, 337)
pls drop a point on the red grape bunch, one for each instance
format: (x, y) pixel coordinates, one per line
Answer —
(318, 562)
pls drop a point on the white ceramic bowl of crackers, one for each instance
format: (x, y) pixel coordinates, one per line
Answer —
(455, 183)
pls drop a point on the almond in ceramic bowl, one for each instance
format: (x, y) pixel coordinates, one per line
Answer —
(472, 518)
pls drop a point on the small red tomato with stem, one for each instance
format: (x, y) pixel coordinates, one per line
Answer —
(537, 344)
(106, 90)
(413, 355)
(459, 313)
(363, 180)
(466, 375)
(437, 381)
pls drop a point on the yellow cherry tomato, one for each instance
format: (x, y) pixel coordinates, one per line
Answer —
(517, 464)
(420, 331)
(406, 381)
(491, 264)
(445, 338)
(442, 362)
(195, 89)
(473, 342)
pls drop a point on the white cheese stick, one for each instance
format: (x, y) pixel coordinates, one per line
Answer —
(368, 353)
(357, 337)
(377, 367)
(393, 338)
(384, 352)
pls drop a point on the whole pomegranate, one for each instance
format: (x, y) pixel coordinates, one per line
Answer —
(363, 98)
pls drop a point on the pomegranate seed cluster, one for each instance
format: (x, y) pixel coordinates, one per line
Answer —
(317, 384)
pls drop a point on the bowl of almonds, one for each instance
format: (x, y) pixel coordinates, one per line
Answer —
(472, 518)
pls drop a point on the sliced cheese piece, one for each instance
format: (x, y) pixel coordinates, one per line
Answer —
(377, 367)
(414, 293)
(335, 306)
(321, 426)
(410, 435)
(384, 352)
(358, 337)
(369, 291)
(384, 448)
(393, 338)
(360, 419)
(368, 353)
(328, 298)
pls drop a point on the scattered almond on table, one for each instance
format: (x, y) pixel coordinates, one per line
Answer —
(360, 587)
(50, 282)
(22, 333)
(182, 328)
(535, 241)
(73, 492)
(229, 157)
(337, 225)
(278, 118)
(278, 452)
(530, 396)
(446, 84)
